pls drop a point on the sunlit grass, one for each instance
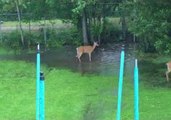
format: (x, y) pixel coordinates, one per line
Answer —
(32, 23)
(68, 95)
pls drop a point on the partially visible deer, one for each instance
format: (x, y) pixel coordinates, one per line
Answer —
(168, 70)
(85, 49)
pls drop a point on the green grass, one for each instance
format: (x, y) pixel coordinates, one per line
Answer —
(154, 90)
(33, 23)
(68, 95)
(72, 96)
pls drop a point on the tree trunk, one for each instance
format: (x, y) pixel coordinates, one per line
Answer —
(19, 19)
(100, 23)
(29, 26)
(84, 28)
(124, 27)
(45, 33)
(91, 34)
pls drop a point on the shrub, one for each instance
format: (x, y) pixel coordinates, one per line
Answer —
(63, 37)
(111, 33)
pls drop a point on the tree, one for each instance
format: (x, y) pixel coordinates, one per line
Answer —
(8, 6)
(19, 20)
(150, 21)
(87, 15)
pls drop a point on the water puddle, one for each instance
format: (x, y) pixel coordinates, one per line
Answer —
(105, 59)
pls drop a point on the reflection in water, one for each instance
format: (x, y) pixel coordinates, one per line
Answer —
(105, 60)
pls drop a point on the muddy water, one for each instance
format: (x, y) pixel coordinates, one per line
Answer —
(105, 59)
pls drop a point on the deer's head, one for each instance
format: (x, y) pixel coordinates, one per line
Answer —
(96, 44)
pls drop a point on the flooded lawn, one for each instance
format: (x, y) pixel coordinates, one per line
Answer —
(105, 59)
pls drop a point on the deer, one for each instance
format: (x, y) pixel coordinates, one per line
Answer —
(168, 64)
(85, 49)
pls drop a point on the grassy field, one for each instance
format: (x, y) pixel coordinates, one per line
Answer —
(55, 22)
(33, 23)
(72, 96)
(7, 26)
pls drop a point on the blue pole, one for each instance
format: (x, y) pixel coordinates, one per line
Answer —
(120, 85)
(42, 90)
(37, 82)
(136, 96)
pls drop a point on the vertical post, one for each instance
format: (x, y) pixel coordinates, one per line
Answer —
(120, 85)
(45, 33)
(42, 90)
(136, 90)
(37, 82)
(1, 22)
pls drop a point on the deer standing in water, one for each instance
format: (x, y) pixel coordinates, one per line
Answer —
(168, 70)
(85, 49)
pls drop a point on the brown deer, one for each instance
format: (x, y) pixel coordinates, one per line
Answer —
(85, 49)
(168, 70)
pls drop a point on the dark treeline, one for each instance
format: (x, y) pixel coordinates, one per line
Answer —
(146, 22)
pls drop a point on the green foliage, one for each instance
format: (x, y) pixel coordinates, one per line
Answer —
(93, 10)
(67, 10)
(63, 37)
(80, 5)
(32, 38)
(150, 22)
(163, 45)
(111, 32)
(55, 38)
(96, 29)
(11, 40)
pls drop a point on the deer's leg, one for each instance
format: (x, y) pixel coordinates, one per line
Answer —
(167, 76)
(89, 57)
(79, 56)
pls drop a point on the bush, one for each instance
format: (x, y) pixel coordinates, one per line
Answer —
(55, 38)
(11, 40)
(111, 33)
(63, 37)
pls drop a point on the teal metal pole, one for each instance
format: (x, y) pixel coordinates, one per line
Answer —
(118, 116)
(42, 92)
(136, 91)
(37, 82)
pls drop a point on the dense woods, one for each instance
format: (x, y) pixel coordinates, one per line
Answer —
(146, 22)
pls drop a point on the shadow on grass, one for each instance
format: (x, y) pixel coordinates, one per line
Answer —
(93, 111)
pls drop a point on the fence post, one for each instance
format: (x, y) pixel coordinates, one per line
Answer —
(1, 22)
(136, 91)
(37, 82)
(42, 90)
(118, 116)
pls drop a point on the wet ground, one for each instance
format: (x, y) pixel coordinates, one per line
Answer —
(105, 59)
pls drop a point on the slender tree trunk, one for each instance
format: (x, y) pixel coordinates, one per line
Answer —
(84, 28)
(45, 33)
(19, 19)
(124, 29)
(29, 27)
(100, 23)
(91, 32)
